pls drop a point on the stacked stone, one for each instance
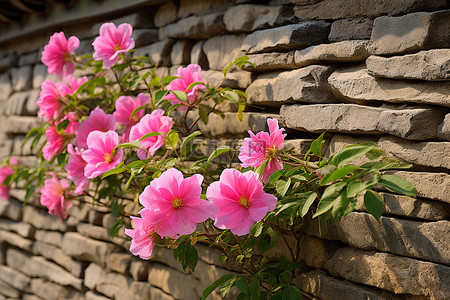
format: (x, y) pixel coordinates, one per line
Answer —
(361, 70)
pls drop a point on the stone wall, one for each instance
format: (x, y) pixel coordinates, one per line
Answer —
(361, 70)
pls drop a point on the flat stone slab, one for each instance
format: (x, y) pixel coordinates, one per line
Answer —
(433, 65)
(345, 51)
(351, 29)
(444, 128)
(410, 33)
(356, 84)
(249, 17)
(307, 84)
(196, 27)
(221, 50)
(235, 80)
(287, 37)
(271, 61)
(400, 275)
(432, 154)
(407, 122)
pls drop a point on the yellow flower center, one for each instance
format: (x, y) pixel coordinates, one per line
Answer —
(68, 57)
(244, 201)
(117, 47)
(271, 152)
(108, 157)
(177, 202)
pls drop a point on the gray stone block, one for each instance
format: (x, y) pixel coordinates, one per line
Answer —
(235, 80)
(271, 61)
(345, 51)
(196, 27)
(249, 17)
(21, 78)
(307, 84)
(410, 33)
(424, 65)
(5, 86)
(144, 37)
(181, 52)
(49, 237)
(15, 240)
(407, 122)
(198, 56)
(287, 37)
(444, 128)
(202, 7)
(23, 229)
(351, 29)
(40, 74)
(166, 14)
(355, 84)
(14, 278)
(222, 50)
(159, 52)
(40, 219)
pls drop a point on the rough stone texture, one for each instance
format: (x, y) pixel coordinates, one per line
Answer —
(327, 287)
(20, 125)
(15, 240)
(198, 56)
(24, 229)
(31, 108)
(159, 52)
(196, 27)
(408, 122)
(59, 257)
(221, 50)
(16, 103)
(410, 207)
(181, 52)
(444, 128)
(83, 248)
(40, 74)
(201, 7)
(271, 61)
(29, 59)
(14, 278)
(410, 33)
(234, 80)
(301, 146)
(424, 240)
(230, 126)
(21, 78)
(397, 274)
(248, 17)
(42, 220)
(139, 270)
(287, 37)
(7, 290)
(5, 86)
(142, 19)
(166, 14)
(307, 84)
(345, 51)
(432, 154)
(37, 266)
(144, 37)
(94, 296)
(180, 286)
(50, 237)
(355, 84)
(11, 209)
(434, 186)
(350, 29)
(99, 233)
(119, 262)
(50, 290)
(424, 65)
(339, 9)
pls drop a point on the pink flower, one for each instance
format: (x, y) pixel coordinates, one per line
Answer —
(97, 120)
(99, 155)
(192, 73)
(240, 199)
(75, 83)
(49, 102)
(175, 203)
(125, 105)
(54, 194)
(263, 146)
(154, 122)
(58, 54)
(113, 41)
(56, 141)
(143, 236)
(75, 169)
(4, 189)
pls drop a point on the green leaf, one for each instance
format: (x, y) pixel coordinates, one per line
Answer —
(216, 284)
(309, 201)
(203, 114)
(113, 172)
(115, 209)
(398, 185)
(241, 108)
(182, 96)
(338, 174)
(219, 151)
(275, 176)
(115, 228)
(192, 85)
(242, 284)
(282, 186)
(232, 96)
(62, 125)
(380, 165)
(340, 205)
(316, 146)
(227, 286)
(349, 154)
(172, 139)
(254, 289)
(186, 254)
(373, 203)
(256, 229)
(186, 140)
(160, 94)
(291, 292)
(136, 110)
(268, 239)
(329, 196)
(167, 79)
(356, 187)
(149, 135)
(133, 144)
